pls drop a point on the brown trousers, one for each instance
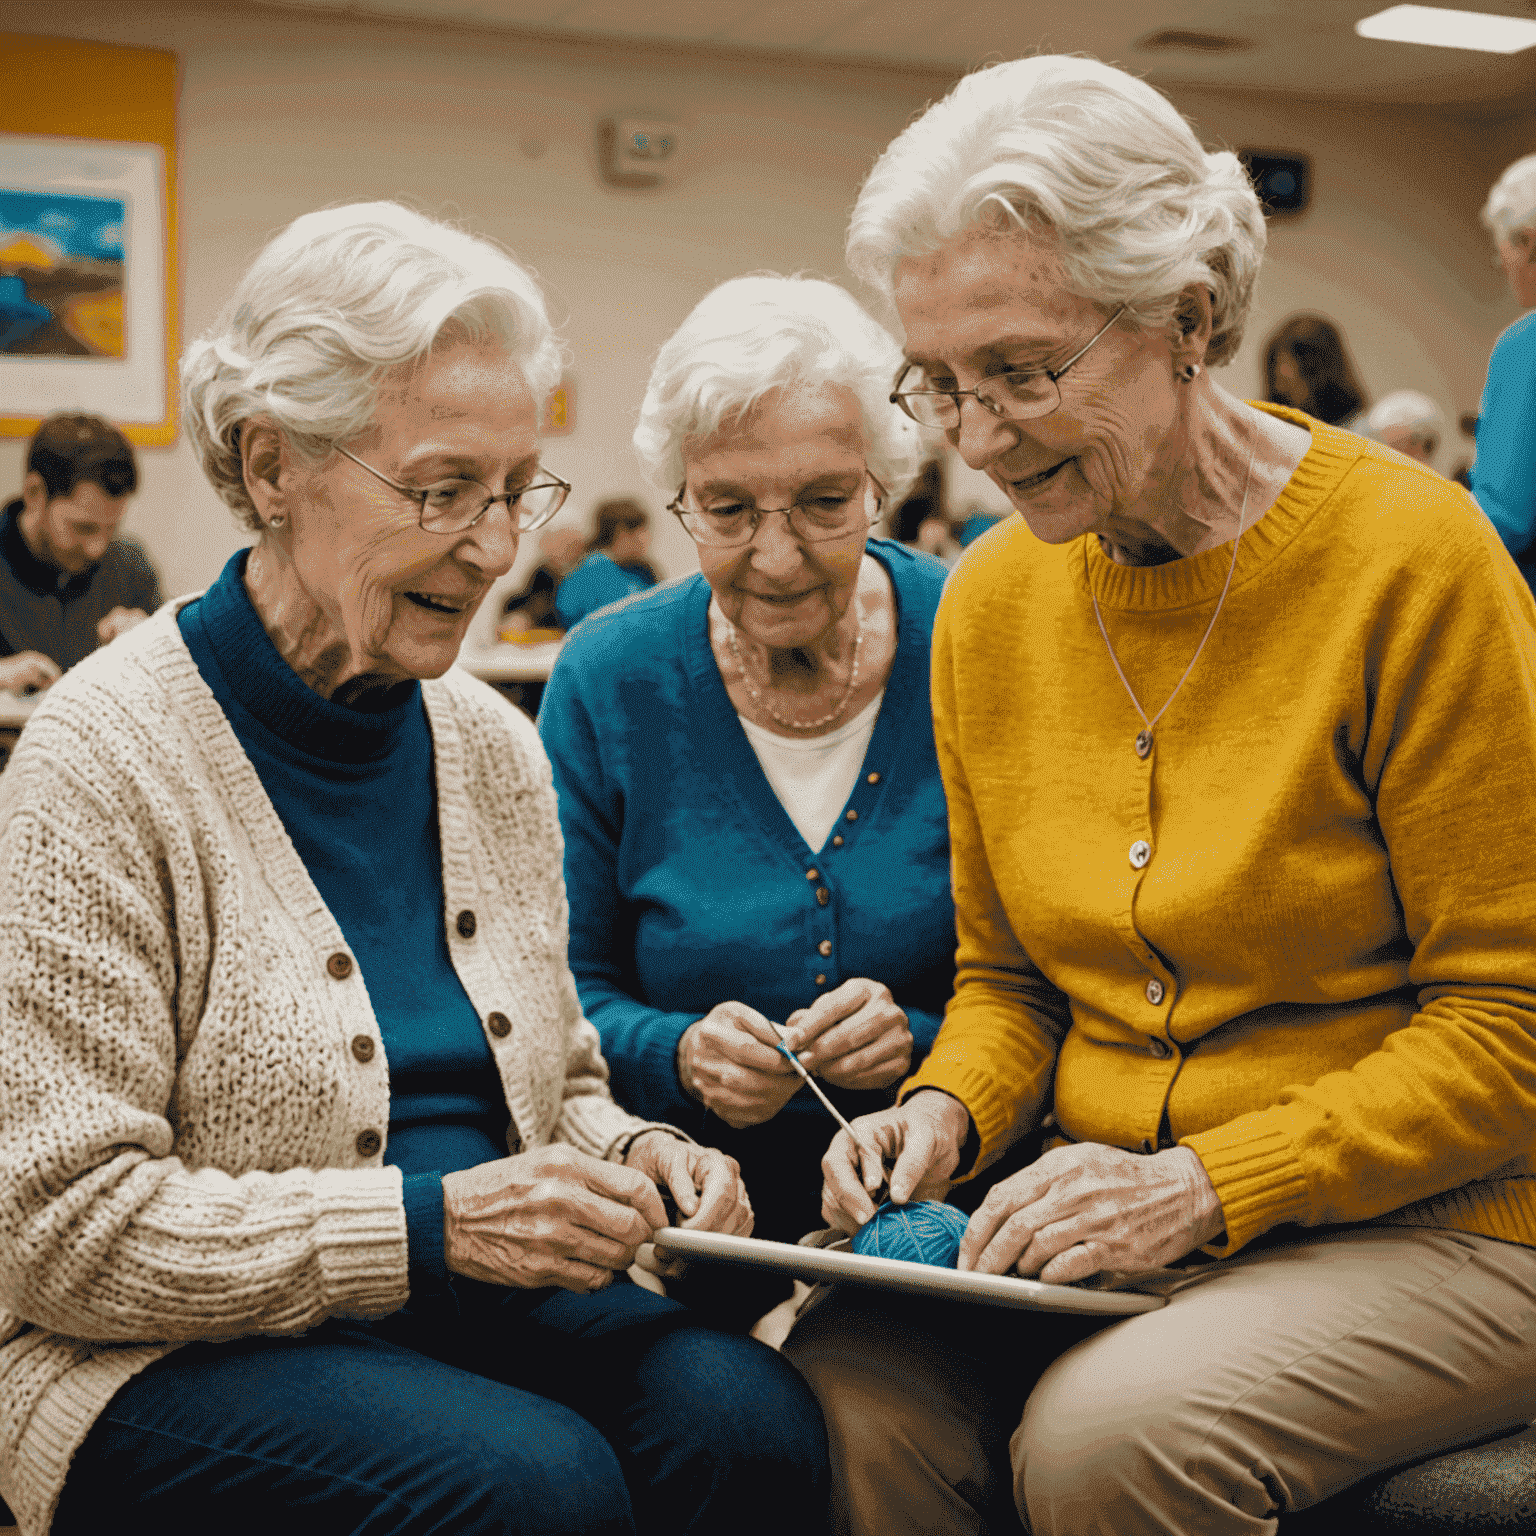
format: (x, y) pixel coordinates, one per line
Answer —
(1269, 1382)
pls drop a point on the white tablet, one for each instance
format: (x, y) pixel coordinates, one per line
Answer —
(901, 1274)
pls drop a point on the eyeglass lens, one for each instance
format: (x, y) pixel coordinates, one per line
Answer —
(811, 522)
(1015, 395)
(456, 504)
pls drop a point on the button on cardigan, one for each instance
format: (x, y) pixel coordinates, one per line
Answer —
(185, 1148)
(689, 884)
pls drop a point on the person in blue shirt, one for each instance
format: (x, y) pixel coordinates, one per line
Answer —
(615, 566)
(755, 828)
(394, 920)
(1504, 472)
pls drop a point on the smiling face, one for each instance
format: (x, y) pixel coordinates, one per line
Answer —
(369, 579)
(986, 302)
(793, 446)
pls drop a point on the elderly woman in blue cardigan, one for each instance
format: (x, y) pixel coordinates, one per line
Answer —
(755, 830)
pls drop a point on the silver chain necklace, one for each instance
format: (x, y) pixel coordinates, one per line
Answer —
(1144, 736)
(767, 708)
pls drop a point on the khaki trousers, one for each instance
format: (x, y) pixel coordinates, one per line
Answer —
(1269, 1382)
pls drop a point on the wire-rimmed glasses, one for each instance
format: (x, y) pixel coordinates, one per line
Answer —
(817, 520)
(1015, 395)
(456, 505)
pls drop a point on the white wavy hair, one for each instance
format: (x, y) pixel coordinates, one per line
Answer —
(333, 304)
(1089, 153)
(1405, 408)
(764, 332)
(1511, 205)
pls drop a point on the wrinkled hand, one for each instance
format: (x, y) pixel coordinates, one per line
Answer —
(1084, 1208)
(705, 1182)
(27, 672)
(925, 1137)
(854, 1037)
(551, 1217)
(119, 622)
(730, 1062)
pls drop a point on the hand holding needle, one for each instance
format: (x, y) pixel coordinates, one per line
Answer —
(811, 1083)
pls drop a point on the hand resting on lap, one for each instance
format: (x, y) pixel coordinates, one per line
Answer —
(559, 1217)
(1086, 1208)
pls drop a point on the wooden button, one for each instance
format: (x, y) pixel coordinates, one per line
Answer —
(823, 895)
(362, 1047)
(466, 924)
(368, 1143)
(339, 965)
(824, 948)
(813, 874)
(499, 1025)
(873, 778)
(821, 981)
(837, 842)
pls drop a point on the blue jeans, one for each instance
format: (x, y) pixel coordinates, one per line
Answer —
(473, 1410)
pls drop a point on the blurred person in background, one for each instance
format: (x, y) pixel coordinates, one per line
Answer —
(68, 582)
(561, 550)
(1408, 421)
(615, 566)
(1307, 367)
(315, 1205)
(1504, 472)
(754, 822)
(921, 521)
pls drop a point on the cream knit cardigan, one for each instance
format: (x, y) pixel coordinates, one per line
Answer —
(190, 1148)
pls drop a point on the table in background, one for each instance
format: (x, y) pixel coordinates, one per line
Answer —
(518, 671)
(14, 709)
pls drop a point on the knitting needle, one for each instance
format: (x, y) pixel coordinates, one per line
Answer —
(831, 1108)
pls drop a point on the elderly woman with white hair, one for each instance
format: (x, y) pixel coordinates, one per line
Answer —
(1504, 474)
(1408, 421)
(754, 823)
(1238, 733)
(315, 1208)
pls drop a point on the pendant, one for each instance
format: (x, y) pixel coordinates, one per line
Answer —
(1143, 743)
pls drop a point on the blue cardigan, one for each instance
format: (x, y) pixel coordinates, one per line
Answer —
(1504, 476)
(688, 883)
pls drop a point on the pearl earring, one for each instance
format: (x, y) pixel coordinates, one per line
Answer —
(1189, 373)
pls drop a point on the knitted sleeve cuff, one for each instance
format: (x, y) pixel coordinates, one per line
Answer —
(1252, 1164)
(423, 1193)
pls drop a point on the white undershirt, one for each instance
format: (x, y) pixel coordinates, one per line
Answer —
(814, 776)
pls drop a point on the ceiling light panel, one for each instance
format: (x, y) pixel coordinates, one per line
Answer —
(1438, 28)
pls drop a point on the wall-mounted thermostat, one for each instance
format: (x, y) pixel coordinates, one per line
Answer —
(637, 151)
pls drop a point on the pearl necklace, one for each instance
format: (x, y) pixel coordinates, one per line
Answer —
(1143, 741)
(767, 708)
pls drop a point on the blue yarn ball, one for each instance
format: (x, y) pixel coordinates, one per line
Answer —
(924, 1232)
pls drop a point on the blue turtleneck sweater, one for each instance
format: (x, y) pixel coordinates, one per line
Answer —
(355, 790)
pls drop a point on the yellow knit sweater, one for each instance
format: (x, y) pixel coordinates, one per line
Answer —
(1339, 907)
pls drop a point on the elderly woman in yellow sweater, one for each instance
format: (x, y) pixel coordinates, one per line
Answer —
(1237, 723)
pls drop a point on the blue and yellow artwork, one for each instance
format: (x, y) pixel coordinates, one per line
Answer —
(62, 288)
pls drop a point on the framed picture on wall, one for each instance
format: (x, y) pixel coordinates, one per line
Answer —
(82, 279)
(88, 284)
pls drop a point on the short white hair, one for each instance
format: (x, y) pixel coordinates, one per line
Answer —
(1405, 408)
(755, 334)
(328, 308)
(1092, 155)
(1511, 206)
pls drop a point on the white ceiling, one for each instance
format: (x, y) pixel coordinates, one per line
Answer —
(1303, 47)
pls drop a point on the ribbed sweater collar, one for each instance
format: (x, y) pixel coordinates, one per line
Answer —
(1199, 578)
(273, 692)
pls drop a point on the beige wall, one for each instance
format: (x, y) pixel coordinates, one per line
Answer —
(283, 113)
